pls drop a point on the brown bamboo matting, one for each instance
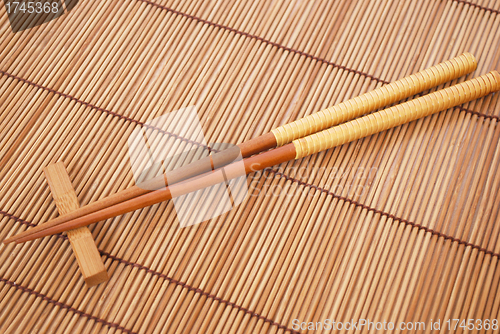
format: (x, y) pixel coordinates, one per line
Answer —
(399, 226)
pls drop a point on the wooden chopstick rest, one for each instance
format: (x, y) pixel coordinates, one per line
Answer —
(375, 99)
(84, 247)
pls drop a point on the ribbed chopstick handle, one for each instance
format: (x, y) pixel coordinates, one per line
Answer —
(398, 114)
(378, 98)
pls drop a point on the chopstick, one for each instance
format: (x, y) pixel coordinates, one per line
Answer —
(298, 148)
(368, 102)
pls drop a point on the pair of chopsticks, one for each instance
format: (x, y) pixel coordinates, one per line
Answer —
(328, 128)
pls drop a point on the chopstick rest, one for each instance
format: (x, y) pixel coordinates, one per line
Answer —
(81, 240)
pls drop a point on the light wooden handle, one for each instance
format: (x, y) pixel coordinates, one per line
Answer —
(378, 98)
(397, 115)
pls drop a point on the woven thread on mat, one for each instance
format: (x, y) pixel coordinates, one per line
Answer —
(261, 39)
(65, 306)
(218, 299)
(160, 275)
(475, 5)
(92, 106)
(242, 33)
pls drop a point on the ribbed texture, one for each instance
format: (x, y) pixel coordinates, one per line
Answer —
(399, 114)
(402, 227)
(378, 98)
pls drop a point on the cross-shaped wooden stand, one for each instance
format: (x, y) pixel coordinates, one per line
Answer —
(84, 247)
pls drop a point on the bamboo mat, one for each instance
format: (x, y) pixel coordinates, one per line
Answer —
(402, 226)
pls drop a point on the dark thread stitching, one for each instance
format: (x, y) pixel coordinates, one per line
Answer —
(91, 106)
(112, 113)
(285, 48)
(475, 5)
(472, 112)
(258, 38)
(17, 219)
(382, 213)
(169, 279)
(64, 306)
(241, 308)
(197, 290)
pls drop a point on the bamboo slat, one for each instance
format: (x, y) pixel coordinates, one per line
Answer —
(401, 226)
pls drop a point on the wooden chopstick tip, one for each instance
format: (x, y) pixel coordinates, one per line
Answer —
(16, 238)
(8, 240)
